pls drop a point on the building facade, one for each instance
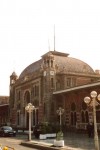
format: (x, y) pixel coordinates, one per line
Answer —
(4, 110)
(77, 113)
(56, 80)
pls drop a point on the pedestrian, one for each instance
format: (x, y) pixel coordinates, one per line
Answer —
(37, 131)
(90, 129)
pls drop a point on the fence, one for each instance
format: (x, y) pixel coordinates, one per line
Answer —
(83, 126)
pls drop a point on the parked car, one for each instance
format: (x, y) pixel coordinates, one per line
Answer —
(7, 131)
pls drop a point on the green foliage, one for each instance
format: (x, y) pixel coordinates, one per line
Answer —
(49, 129)
(59, 135)
(43, 129)
(46, 127)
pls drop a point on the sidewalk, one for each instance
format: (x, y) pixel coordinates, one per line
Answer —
(72, 141)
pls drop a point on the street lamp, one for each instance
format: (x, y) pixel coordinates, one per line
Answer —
(93, 102)
(60, 111)
(29, 108)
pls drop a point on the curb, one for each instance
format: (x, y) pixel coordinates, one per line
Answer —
(41, 146)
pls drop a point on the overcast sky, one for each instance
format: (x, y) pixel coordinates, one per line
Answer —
(27, 32)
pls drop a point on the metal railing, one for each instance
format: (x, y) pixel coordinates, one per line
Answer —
(84, 125)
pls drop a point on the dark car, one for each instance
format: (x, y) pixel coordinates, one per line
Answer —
(7, 131)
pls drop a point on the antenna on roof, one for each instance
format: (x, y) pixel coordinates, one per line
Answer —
(48, 45)
(54, 37)
(13, 65)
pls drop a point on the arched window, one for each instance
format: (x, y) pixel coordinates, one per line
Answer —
(75, 118)
(19, 95)
(18, 118)
(35, 116)
(27, 97)
(73, 114)
(73, 107)
(84, 106)
(51, 82)
(51, 63)
(47, 63)
(84, 113)
(33, 91)
(86, 117)
(19, 105)
(58, 86)
(72, 118)
(52, 108)
(44, 109)
(83, 117)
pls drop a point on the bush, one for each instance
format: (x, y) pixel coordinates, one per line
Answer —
(59, 135)
(43, 129)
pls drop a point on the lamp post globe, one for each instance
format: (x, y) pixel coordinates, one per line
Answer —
(93, 102)
(29, 108)
(99, 97)
(93, 94)
(87, 100)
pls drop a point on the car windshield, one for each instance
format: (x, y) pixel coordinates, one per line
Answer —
(7, 128)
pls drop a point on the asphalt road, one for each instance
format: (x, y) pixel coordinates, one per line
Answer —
(13, 143)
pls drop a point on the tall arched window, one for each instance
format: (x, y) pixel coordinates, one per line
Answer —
(27, 97)
(58, 86)
(52, 108)
(26, 101)
(84, 113)
(72, 118)
(86, 116)
(18, 118)
(52, 82)
(35, 117)
(83, 116)
(51, 63)
(73, 114)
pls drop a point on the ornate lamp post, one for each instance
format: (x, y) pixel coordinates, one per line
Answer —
(60, 111)
(29, 108)
(93, 102)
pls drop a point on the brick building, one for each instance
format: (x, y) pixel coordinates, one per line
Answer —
(56, 80)
(4, 110)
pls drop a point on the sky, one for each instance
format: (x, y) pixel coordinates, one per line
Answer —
(27, 32)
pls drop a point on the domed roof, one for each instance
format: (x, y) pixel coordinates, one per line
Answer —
(63, 62)
(31, 68)
(73, 65)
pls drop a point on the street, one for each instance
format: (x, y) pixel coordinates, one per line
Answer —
(14, 142)
(71, 140)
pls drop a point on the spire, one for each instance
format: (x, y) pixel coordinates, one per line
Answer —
(54, 37)
(48, 45)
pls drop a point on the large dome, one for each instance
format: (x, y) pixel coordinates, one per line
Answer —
(63, 62)
(31, 68)
(73, 65)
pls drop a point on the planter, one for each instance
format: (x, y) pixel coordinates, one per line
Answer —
(45, 136)
(59, 143)
(42, 136)
(51, 135)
